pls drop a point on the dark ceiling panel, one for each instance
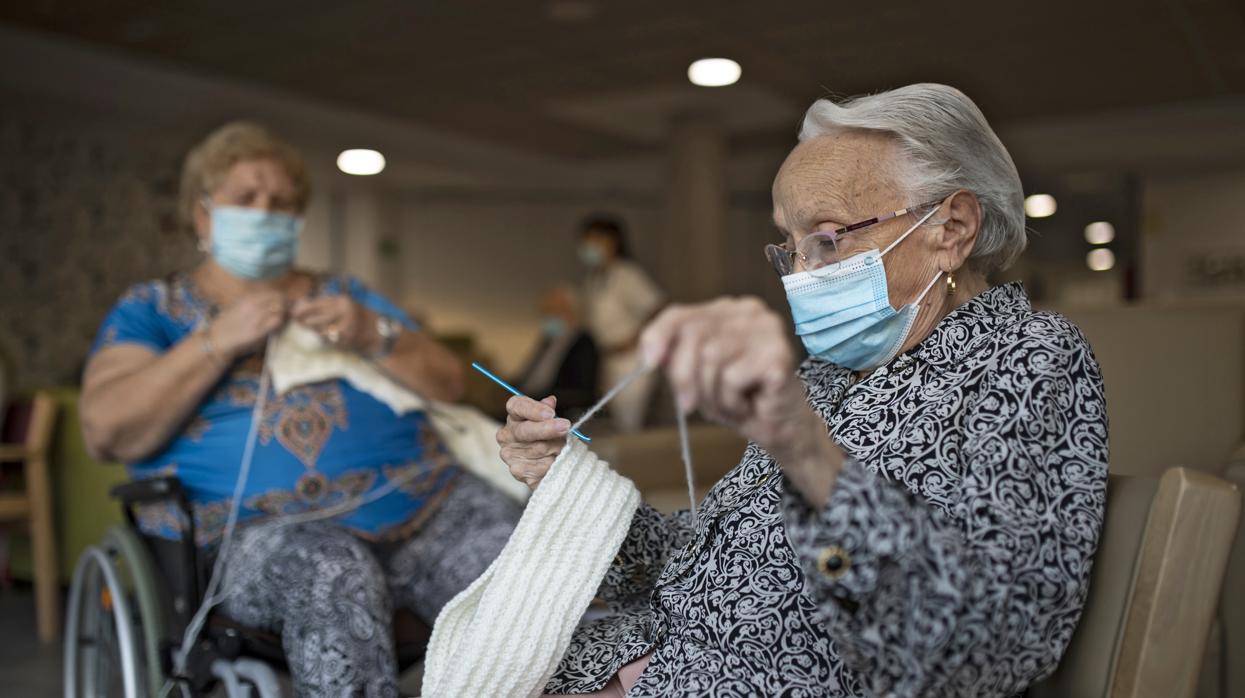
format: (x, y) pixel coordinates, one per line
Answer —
(493, 68)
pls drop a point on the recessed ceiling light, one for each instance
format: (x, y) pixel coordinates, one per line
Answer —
(1099, 233)
(1100, 259)
(360, 161)
(1039, 205)
(714, 72)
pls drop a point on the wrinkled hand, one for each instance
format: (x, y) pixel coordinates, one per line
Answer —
(731, 359)
(532, 438)
(338, 319)
(242, 327)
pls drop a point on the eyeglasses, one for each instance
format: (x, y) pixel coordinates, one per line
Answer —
(821, 249)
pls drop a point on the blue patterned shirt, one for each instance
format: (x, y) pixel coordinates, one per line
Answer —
(317, 445)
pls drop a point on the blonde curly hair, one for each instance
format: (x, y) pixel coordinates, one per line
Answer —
(208, 162)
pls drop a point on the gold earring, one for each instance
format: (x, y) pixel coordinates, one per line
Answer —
(950, 283)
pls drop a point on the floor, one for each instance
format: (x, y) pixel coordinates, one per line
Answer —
(31, 670)
(27, 668)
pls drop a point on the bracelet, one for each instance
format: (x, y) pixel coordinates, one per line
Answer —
(388, 330)
(208, 347)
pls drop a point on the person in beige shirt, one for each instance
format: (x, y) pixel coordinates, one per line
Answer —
(619, 300)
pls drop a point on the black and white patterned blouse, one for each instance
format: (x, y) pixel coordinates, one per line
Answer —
(951, 559)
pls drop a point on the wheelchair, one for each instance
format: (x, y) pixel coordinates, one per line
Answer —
(132, 597)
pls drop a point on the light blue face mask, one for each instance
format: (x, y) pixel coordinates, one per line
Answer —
(843, 313)
(553, 326)
(590, 255)
(252, 243)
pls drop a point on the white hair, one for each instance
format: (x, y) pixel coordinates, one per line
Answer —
(945, 145)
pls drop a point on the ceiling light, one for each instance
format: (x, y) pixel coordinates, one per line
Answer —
(1100, 259)
(1039, 205)
(714, 72)
(1099, 233)
(360, 161)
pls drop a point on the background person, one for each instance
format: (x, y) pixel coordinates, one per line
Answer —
(565, 363)
(619, 298)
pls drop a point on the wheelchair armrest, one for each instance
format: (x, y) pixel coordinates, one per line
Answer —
(163, 489)
(155, 489)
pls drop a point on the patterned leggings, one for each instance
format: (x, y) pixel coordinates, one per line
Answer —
(331, 595)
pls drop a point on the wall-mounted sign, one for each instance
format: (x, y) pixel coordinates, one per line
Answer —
(1216, 269)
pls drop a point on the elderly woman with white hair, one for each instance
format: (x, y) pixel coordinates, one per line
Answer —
(919, 506)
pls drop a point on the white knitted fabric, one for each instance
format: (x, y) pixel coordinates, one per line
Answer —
(505, 634)
(299, 357)
(471, 436)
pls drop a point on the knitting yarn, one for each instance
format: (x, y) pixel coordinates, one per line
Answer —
(505, 634)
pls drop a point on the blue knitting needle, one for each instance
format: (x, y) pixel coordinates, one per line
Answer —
(515, 391)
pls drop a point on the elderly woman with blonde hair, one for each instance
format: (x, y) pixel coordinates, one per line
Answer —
(171, 386)
(919, 507)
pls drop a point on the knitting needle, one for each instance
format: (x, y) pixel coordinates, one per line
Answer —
(515, 391)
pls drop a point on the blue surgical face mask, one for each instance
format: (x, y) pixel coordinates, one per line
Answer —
(843, 312)
(591, 255)
(553, 326)
(252, 243)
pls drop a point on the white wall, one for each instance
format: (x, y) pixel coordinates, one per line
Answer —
(1193, 237)
(479, 267)
(315, 244)
(1175, 383)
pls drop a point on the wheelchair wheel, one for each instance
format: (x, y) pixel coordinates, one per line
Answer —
(114, 622)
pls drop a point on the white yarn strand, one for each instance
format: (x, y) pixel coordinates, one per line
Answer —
(680, 416)
(610, 395)
(210, 599)
(685, 452)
